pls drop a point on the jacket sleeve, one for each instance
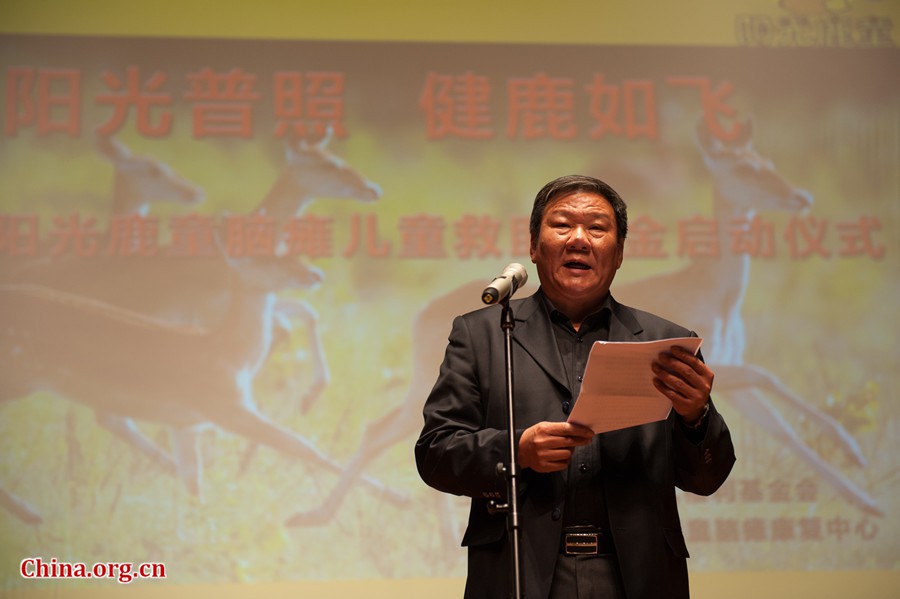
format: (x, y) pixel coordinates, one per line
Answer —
(455, 453)
(702, 465)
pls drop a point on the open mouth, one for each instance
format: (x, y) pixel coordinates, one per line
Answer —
(577, 265)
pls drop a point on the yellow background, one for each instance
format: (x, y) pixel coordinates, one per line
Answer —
(651, 22)
(686, 22)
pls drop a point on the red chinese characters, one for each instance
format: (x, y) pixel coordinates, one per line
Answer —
(151, 105)
(49, 99)
(309, 104)
(457, 106)
(424, 236)
(546, 107)
(222, 103)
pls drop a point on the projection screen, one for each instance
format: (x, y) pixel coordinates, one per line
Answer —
(233, 240)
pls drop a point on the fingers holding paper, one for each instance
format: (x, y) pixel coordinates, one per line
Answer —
(548, 446)
(685, 380)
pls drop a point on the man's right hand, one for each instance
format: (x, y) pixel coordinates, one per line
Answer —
(548, 446)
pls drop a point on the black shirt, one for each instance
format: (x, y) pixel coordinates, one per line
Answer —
(585, 502)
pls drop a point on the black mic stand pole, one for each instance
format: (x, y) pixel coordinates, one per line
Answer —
(507, 323)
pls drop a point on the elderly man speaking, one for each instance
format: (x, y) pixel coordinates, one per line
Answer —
(615, 489)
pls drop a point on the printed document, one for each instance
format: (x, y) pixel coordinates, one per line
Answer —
(617, 391)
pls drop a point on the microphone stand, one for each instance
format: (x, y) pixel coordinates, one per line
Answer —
(507, 323)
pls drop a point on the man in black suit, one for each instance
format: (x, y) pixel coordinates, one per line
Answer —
(598, 516)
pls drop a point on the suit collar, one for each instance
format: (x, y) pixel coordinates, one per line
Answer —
(534, 334)
(623, 326)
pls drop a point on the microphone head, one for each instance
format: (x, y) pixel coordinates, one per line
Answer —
(517, 271)
(490, 296)
(513, 277)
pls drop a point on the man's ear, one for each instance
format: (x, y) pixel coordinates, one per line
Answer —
(533, 249)
(620, 248)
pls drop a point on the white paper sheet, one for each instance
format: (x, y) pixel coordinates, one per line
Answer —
(617, 391)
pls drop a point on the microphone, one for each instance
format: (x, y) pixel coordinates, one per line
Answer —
(504, 286)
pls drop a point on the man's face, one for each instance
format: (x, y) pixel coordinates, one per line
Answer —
(577, 251)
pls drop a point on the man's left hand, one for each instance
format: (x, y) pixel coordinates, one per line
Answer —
(685, 380)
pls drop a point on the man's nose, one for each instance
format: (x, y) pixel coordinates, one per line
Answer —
(578, 238)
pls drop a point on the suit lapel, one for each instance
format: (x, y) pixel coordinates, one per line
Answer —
(623, 326)
(534, 335)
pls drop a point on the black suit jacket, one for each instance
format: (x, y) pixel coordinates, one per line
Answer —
(464, 439)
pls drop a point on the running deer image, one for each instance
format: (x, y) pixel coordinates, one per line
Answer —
(128, 364)
(139, 182)
(184, 293)
(705, 295)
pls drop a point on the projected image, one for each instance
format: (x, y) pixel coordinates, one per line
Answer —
(228, 270)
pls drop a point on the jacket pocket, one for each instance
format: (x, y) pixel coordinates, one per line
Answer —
(484, 531)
